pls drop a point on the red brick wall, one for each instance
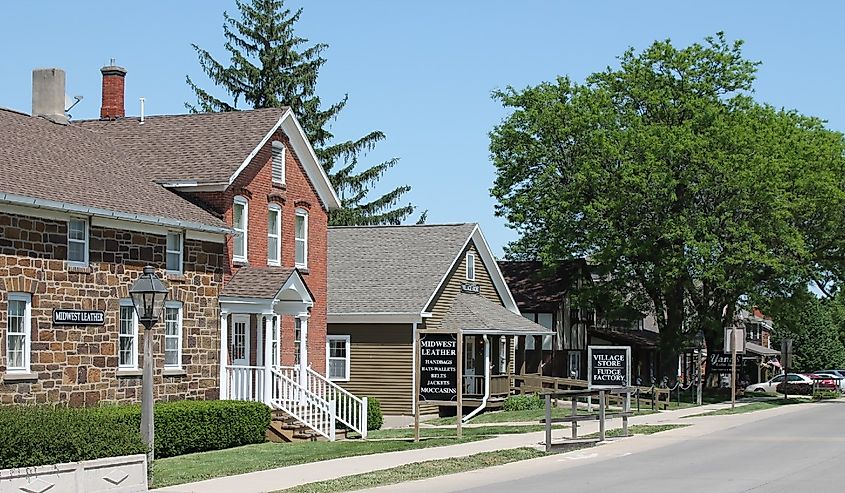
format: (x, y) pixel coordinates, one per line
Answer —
(78, 364)
(255, 184)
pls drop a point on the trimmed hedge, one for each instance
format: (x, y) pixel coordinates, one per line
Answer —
(38, 435)
(795, 388)
(523, 402)
(374, 417)
(826, 394)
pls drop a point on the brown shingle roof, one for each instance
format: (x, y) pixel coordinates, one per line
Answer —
(72, 166)
(473, 312)
(393, 269)
(257, 282)
(536, 288)
(201, 147)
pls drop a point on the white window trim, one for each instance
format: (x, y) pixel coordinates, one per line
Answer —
(178, 306)
(245, 232)
(304, 214)
(86, 242)
(470, 260)
(348, 358)
(181, 251)
(297, 341)
(27, 332)
(278, 145)
(278, 210)
(134, 364)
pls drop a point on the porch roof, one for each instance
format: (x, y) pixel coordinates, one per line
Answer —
(760, 350)
(259, 282)
(475, 314)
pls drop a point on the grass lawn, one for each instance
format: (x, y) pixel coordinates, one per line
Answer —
(418, 470)
(206, 465)
(637, 430)
(750, 408)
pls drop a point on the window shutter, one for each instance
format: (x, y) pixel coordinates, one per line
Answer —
(278, 163)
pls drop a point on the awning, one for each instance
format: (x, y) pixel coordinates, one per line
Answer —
(759, 350)
(475, 314)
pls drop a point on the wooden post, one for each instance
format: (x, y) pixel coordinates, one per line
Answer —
(549, 422)
(601, 415)
(417, 387)
(626, 408)
(733, 366)
(460, 411)
(574, 415)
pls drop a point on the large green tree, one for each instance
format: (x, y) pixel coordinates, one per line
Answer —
(271, 66)
(811, 324)
(665, 171)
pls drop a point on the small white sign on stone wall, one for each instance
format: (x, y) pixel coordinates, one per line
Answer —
(127, 474)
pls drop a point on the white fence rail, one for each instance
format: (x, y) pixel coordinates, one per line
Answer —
(351, 410)
(246, 383)
(302, 404)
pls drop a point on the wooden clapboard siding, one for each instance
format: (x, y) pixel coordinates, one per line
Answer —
(446, 295)
(381, 363)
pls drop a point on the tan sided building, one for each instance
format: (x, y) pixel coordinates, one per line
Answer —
(388, 282)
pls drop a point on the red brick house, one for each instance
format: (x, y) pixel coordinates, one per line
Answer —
(233, 210)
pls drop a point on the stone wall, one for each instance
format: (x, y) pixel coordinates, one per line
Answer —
(78, 365)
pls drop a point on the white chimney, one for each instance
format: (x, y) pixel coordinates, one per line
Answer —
(48, 94)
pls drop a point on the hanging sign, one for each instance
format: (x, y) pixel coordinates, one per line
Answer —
(609, 366)
(438, 359)
(78, 317)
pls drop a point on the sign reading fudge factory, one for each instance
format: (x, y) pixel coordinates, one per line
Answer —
(78, 317)
(609, 366)
(438, 367)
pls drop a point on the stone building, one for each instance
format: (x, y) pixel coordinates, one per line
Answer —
(232, 210)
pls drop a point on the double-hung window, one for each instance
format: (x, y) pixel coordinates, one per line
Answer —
(337, 355)
(240, 223)
(18, 330)
(77, 241)
(173, 334)
(301, 238)
(127, 344)
(274, 229)
(547, 321)
(174, 252)
(278, 163)
(470, 266)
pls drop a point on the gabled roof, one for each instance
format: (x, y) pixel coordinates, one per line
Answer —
(210, 149)
(262, 282)
(399, 269)
(538, 288)
(476, 314)
(69, 168)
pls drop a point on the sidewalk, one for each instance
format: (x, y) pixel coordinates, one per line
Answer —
(286, 477)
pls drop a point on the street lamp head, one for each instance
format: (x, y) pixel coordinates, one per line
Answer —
(148, 294)
(700, 340)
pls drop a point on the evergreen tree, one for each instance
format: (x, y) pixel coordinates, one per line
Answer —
(269, 67)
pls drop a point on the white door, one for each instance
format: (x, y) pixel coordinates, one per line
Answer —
(240, 340)
(472, 386)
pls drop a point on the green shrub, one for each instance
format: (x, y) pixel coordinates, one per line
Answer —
(38, 435)
(374, 417)
(826, 394)
(48, 435)
(795, 388)
(523, 402)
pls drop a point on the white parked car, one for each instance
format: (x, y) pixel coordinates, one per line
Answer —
(771, 385)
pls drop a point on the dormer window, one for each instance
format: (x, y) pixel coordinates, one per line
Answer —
(278, 163)
(240, 223)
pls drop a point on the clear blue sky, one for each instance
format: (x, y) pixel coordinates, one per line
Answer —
(422, 72)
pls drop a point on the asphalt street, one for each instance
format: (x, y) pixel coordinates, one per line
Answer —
(783, 450)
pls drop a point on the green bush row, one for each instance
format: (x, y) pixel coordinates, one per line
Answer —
(523, 402)
(38, 435)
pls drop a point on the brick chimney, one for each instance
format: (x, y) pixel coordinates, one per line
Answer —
(113, 89)
(48, 94)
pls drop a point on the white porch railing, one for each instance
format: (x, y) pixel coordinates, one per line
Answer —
(351, 410)
(246, 383)
(302, 404)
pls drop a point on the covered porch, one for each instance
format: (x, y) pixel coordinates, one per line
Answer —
(264, 316)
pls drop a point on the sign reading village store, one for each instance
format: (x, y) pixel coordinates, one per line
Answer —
(439, 367)
(609, 366)
(78, 317)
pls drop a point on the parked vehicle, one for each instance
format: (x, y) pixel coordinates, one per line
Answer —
(832, 380)
(771, 385)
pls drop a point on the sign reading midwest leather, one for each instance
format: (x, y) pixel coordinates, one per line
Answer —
(438, 367)
(78, 317)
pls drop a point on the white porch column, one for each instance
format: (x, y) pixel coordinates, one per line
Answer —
(224, 355)
(268, 359)
(303, 349)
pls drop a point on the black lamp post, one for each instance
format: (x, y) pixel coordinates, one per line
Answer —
(700, 342)
(148, 294)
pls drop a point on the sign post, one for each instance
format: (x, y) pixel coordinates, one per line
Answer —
(786, 351)
(734, 337)
(439, 373)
